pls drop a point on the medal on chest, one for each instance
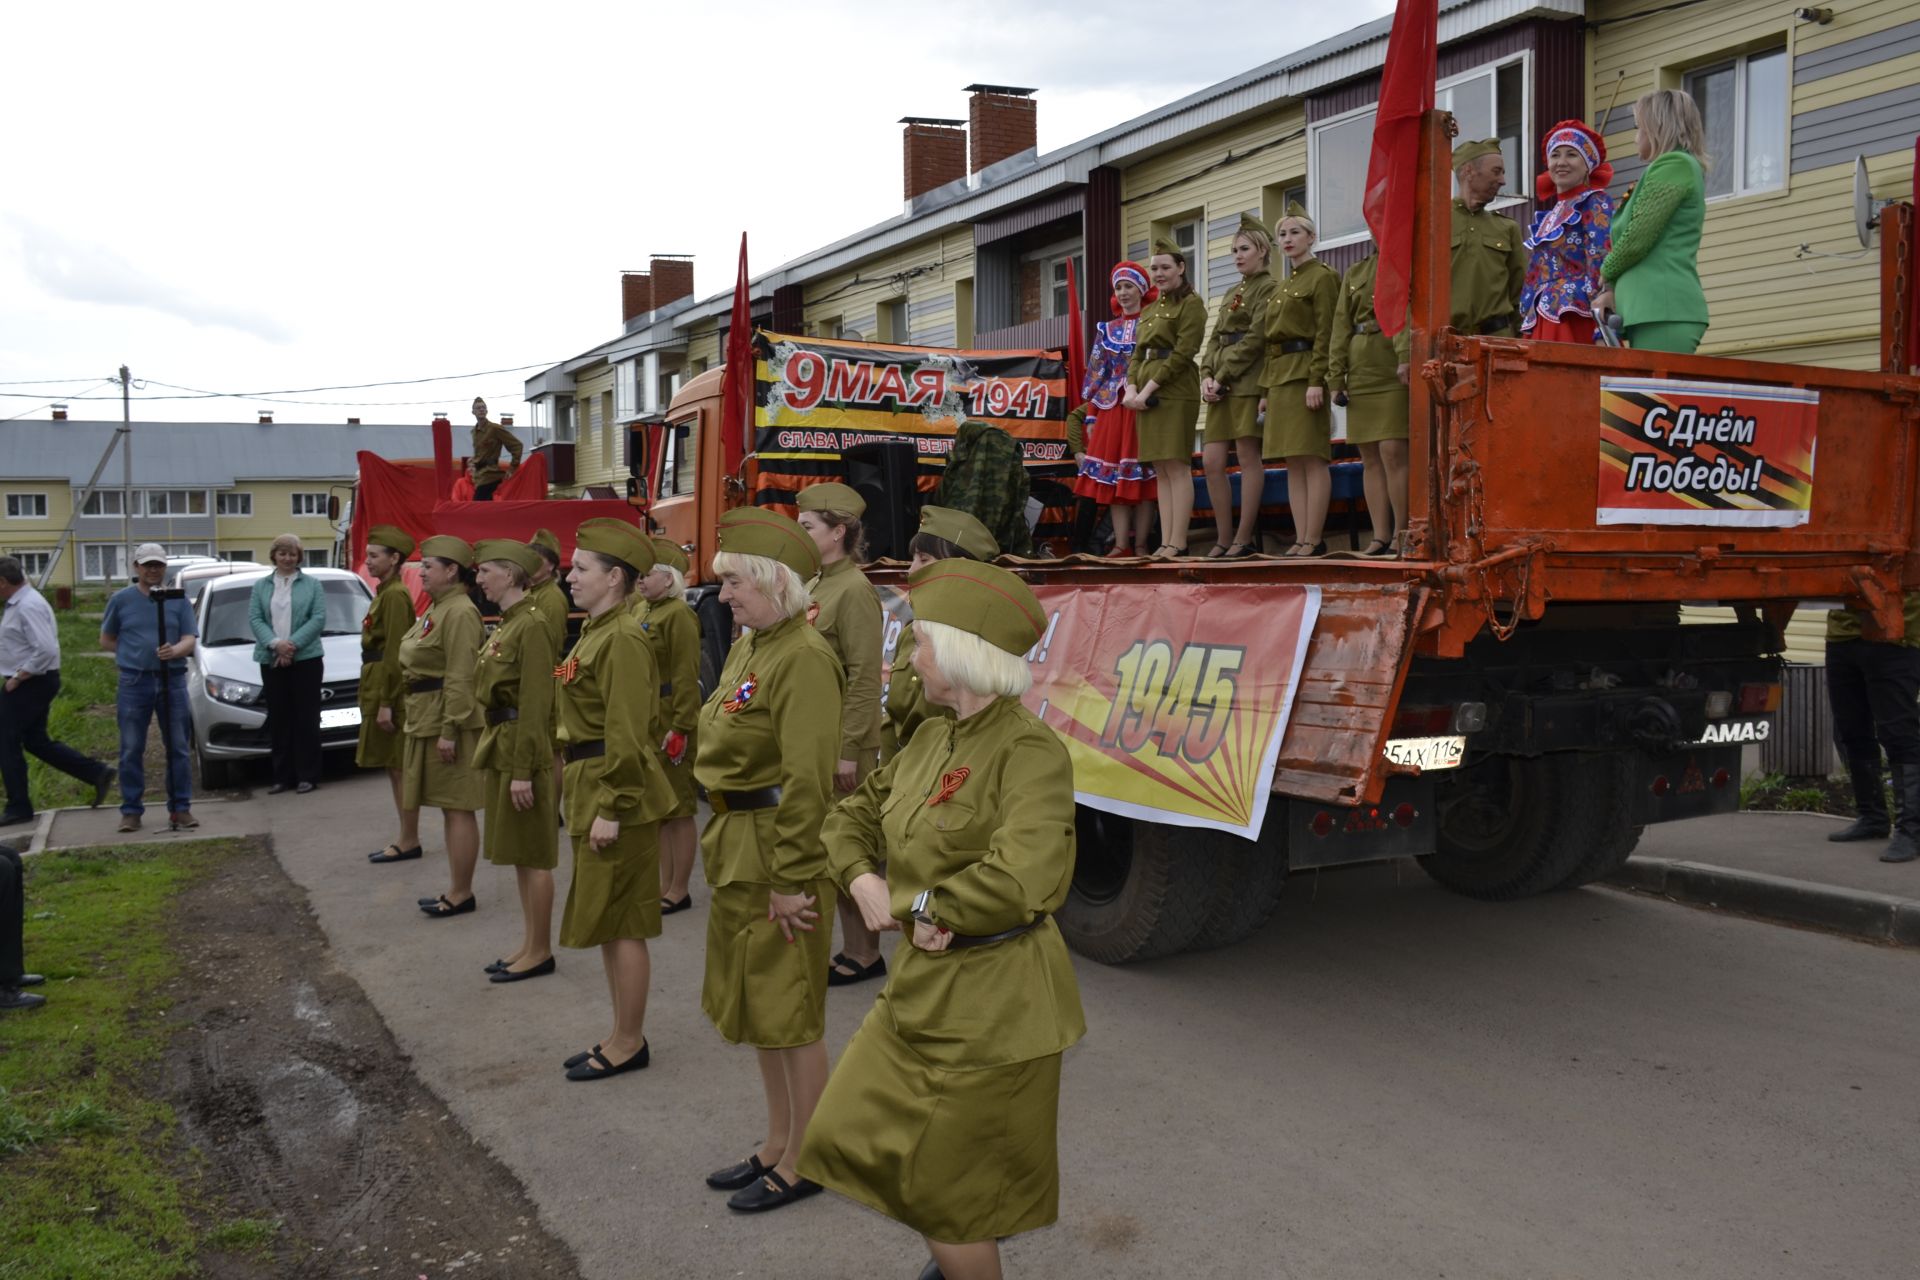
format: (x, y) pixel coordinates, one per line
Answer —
(426, 627)
(742, 694)
(568, 671)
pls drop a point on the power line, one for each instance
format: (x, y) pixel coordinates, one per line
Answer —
(49, 382)
(101, 382)
(195, 393)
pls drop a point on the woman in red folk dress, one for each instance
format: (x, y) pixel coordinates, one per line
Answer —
(1111, 473)
(1570, 237)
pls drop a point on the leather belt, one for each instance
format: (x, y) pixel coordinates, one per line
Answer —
(1291, 347)
(964, 940)
(426, 684)
(742, 801)
(1228, 339)
(1498, 324)
(370, 656)
(500, 715)
(586, 750)
(1157, 353)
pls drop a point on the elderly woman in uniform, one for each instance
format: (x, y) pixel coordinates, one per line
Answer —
(616, 791)
(851, 623)
(945, 534)
(769, 738)
(551, 603)
(514, 685)
(1163, 389)
(943, 1112)
(1299, 413)
(674, 634)
(1230, 384)
(1367, 372)
(383, 690)
(438, 657)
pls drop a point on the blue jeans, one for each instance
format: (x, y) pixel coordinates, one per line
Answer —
(139, 703)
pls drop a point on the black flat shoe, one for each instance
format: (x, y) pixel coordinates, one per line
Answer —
(442, 908)
(597, 1066)
(104, 785)
(770, 1192)
(835, 978)
(736, 1176)
(13, 818)
(668, 906)
(12, 999)
(305, 788)
(278, 787)
(581, 1057)
(496, 967)
(540, 970)
(30, 980)
(398, 854)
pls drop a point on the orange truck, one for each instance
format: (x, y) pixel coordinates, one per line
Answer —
(1511, 702)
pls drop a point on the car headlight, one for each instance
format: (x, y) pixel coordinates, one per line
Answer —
(237, 692)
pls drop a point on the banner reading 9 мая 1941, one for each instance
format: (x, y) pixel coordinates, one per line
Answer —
(1705, 453)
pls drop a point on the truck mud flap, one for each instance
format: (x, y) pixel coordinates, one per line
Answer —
(1401, 825)
(1693, 782)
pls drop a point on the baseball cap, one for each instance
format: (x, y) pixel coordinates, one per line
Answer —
(148, 552)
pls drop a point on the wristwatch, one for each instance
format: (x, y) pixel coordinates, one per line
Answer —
(921, 903)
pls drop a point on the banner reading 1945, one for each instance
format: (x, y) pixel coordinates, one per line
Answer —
(1706, 453)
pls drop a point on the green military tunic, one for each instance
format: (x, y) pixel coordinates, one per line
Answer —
(1489, 266)
(381, 684)
(941, 1114)
(515, 674)
(907, 704)
(1365, 363)
(1300, 316)
(773, 721)
(1233, 358)
(673, 632)
(851, 622)
(608, 692)
(489, 438)
(550, 603)
(443, 644)
(1166, 341)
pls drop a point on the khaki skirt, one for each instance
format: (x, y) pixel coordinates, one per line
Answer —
(761, 989)
(1233, 419)
(1377, 416)
(430, 783)
(379, 749)
(1293, 430)
(615, 891)
(959, 1156)
(1166, 433)
(517, 839)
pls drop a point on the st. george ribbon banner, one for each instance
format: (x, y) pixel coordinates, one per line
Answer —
(1723, 454)
(1172, 702)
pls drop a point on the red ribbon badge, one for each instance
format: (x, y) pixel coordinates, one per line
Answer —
(742, 694)
(950, 782)
(567, 670)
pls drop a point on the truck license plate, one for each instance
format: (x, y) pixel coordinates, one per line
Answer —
(341, 718)
(1428, 753)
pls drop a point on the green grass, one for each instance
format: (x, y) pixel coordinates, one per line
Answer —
(92, 1182)
(245, 1235)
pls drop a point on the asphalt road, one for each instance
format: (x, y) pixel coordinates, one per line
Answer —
(1389, 1081)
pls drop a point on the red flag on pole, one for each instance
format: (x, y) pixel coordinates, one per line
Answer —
(1406, 90)
(1076, 338)
(736, 393)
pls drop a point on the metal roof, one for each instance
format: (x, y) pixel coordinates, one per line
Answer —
(202, 454)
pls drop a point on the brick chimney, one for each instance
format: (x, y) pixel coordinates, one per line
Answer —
(59, 413)
(933, 152)
(266, 417)
(672, 278)
(1002, 121)
(636, 294)
(353, 422)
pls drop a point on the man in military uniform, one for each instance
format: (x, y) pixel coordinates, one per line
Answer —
(489, 438)
(1489, 260)
(1873, 687)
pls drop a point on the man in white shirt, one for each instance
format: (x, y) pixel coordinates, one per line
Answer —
(30, 665)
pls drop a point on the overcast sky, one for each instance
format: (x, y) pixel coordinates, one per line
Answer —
(252, 197)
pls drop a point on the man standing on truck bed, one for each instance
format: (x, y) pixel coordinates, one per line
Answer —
(489, 438)
(1489, 260)
(1874, 689)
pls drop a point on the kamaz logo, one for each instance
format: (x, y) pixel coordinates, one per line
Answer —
(1734, 731)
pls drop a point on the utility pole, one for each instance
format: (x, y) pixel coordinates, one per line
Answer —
(126, 469)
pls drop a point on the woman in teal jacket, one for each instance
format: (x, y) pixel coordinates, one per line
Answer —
(288, 613)
(1652, 273)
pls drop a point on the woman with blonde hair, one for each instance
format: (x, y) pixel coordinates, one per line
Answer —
(1163, 389)
(287, 613)
(1652, 272)
(1230, 384)
(1299, 337)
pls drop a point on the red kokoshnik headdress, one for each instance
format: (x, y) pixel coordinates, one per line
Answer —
(1575, 134)
(1138, 274)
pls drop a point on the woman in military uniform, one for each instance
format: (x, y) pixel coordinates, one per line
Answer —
(850, 621)
(674, 634)
(514, 686)
(945, 534)
(437, 657)
(1163, 390)
(616, 791)
(943, 1112)
(1230, 384)
(1299, 414)
(551, 603)
(769, 740)
(1367, 372)
(383, 691)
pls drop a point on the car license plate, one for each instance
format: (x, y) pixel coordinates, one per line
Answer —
(1428, 753)
(341, 718)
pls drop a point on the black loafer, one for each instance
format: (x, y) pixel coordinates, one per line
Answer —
(495, 967)
(668, 906)
(12, 999)
(441, 908)
(13, 818)
(580, 1057)
(30, 980)
(399, 855)
(540, 970)
(835, 978)
(278, 787)
(598, 1067)
(736, 1176)
(104, 785)
(304, 788)
(770, 1192)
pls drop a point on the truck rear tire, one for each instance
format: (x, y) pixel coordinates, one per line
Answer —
(1140, 889)
(1613, 775)
(1247, 878)
(1512, 827)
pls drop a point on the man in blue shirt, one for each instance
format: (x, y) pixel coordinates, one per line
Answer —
(130, 630)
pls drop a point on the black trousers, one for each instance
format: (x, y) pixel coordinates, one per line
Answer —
(13, 915)
(23, 729)
(293, 719)
(1874, 690)
(484, 492)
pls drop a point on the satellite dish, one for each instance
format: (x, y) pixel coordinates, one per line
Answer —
(1866, 210)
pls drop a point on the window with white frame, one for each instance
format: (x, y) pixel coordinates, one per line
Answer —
(190, 549)
(309, 504)
(26, 506)
(1743, 104)
(1056, 300)
(103, 562)
(107, 502)
(34, 561)
(176, 502)
(890, 321)
(237, 555)
(1191, 238)
(234, 502)
(315, 558)
(626, 390)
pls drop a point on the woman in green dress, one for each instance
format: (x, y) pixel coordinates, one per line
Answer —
(1230, 385)
(1299, 413)
(383, 690)
(1367, 373)
(437, 658)
(945, 534)
(769, 740)
(514, 685)
(943, 1111)
(616, 792)
(551, 603)
(1654, 265)
(674, 632)
(1163, 389)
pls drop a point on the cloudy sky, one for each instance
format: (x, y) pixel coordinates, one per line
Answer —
(257, 197)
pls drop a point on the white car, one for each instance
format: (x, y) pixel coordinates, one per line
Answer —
(223, 681)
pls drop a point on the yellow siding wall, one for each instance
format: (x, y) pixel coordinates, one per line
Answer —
(703, 348)
(931, 268)
(596, 454)
(273, 516)
(39, 534)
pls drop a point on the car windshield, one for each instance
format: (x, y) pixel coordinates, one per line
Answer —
(226, 620)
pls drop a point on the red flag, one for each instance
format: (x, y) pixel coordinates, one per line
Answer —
(1076, 338)
(1406, 90)
(736, 393)
(443, 476)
